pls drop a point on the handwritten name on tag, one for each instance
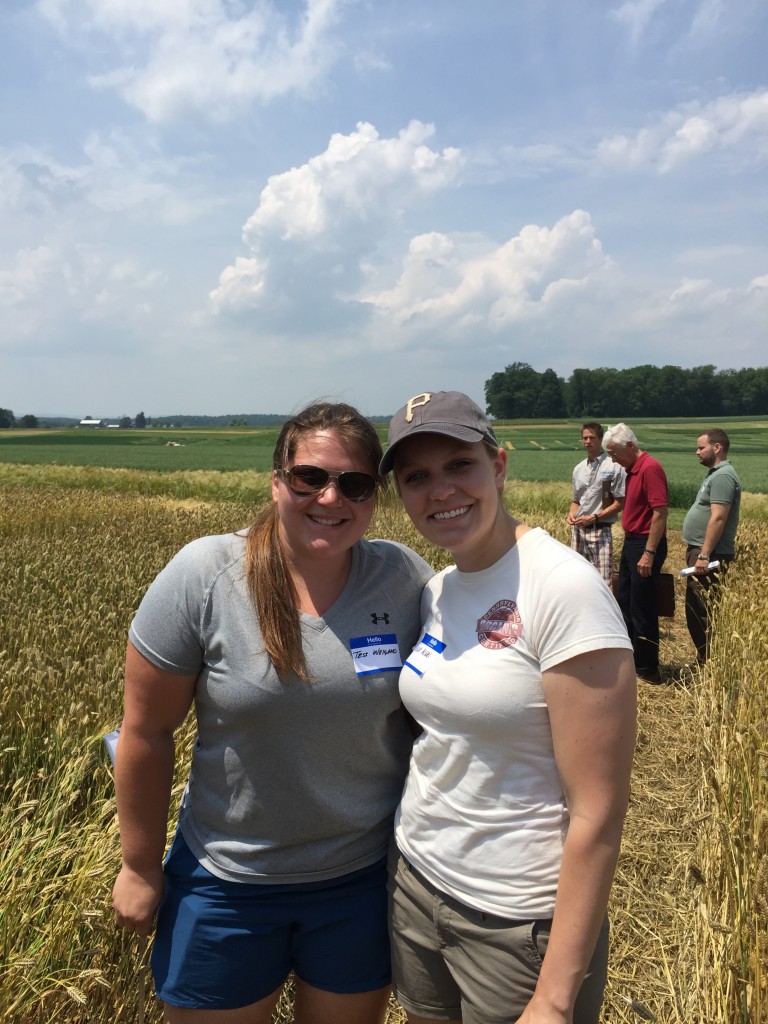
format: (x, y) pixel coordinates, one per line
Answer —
(377, 652)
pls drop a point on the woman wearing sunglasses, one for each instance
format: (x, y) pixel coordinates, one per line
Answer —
(523, 681)
(286, 640)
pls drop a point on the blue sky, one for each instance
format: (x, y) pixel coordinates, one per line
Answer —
(222, 206)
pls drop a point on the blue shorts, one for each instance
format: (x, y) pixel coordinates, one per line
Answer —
(223, 945)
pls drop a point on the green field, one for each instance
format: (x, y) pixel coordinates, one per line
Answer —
(164, 451)
(539, 452)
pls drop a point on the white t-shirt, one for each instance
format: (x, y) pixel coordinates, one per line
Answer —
(483, 814)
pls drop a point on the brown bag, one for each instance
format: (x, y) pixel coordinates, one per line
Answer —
(665, 595)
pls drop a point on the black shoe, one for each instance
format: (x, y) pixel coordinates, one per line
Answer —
(648, 676)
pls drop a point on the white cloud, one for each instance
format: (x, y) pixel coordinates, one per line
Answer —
(81, 274)
(736, 124)
(445, 281)
(636, 15)
(689, 286)
(112, 177)
(321, 221)
(240, 286)
(26, 276)
(208, 56)
(731, 313)
(360, 178)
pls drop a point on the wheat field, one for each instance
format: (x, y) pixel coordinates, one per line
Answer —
(690, 903)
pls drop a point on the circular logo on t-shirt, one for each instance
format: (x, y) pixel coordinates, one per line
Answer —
(501, 626)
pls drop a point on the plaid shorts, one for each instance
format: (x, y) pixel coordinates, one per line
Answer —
(595, 543)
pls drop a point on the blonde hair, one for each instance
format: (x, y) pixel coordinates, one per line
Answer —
(269, 580)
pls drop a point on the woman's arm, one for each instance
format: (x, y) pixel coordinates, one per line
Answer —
(592, 708)
(156, 703)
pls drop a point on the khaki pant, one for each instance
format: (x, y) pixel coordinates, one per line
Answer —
(450, 962)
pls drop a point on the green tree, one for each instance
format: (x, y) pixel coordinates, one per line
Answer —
(7, 419)
(577, 394)
(515, 393)
(705, 391)
(609, 394)
(141, 420)
(29, 421)
(125, 422)
(744, 392)
(550, 397)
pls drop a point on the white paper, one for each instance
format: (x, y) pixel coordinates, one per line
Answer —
(687, 572)
(110, 742)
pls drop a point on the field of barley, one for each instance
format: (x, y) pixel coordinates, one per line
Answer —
(79, 547)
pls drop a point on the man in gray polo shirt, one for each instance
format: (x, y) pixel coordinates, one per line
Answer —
(598, 497)
(709, 531)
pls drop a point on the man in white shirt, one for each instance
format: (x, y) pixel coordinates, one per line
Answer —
(598, 497)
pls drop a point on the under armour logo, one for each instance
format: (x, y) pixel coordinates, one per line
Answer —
(376, 619)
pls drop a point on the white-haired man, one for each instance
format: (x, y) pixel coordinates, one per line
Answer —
(644, 519)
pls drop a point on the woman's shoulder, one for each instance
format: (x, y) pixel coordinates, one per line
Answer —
(210, 555)
(539, 543)
(547, 559)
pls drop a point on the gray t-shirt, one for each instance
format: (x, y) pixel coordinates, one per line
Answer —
(294, 781)
(721, 486)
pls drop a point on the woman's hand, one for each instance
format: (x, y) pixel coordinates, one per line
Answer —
(156, 703)
(136, 897)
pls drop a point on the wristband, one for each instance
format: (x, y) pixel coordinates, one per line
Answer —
(703, 558)
(649, 552)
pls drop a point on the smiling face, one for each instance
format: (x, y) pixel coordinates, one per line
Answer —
(450, 490)
(323, 525)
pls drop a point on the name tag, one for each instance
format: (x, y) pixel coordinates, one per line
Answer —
(378, 652)
(428, 647)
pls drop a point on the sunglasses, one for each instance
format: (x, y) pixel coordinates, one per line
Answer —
(306, 480)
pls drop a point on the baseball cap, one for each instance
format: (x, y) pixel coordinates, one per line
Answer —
(438, 412)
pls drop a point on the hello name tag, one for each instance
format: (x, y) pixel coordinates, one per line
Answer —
(428, 647)
(378, 652)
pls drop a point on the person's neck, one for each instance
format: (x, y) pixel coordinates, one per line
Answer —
(319, 583)
(505, 534)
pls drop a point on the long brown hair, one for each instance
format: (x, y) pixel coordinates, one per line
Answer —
(269, 580)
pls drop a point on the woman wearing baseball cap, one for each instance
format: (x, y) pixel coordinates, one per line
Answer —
(510, 823)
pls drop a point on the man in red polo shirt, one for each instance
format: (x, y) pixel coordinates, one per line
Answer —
(644, 520)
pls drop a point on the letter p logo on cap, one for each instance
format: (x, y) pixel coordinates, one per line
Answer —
(416, 403)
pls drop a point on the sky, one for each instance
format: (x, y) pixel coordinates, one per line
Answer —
(240, 206)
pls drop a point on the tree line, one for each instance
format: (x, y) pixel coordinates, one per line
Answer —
(520, 392)
(7, 419)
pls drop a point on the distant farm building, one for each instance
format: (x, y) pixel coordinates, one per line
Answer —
(88, 422)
